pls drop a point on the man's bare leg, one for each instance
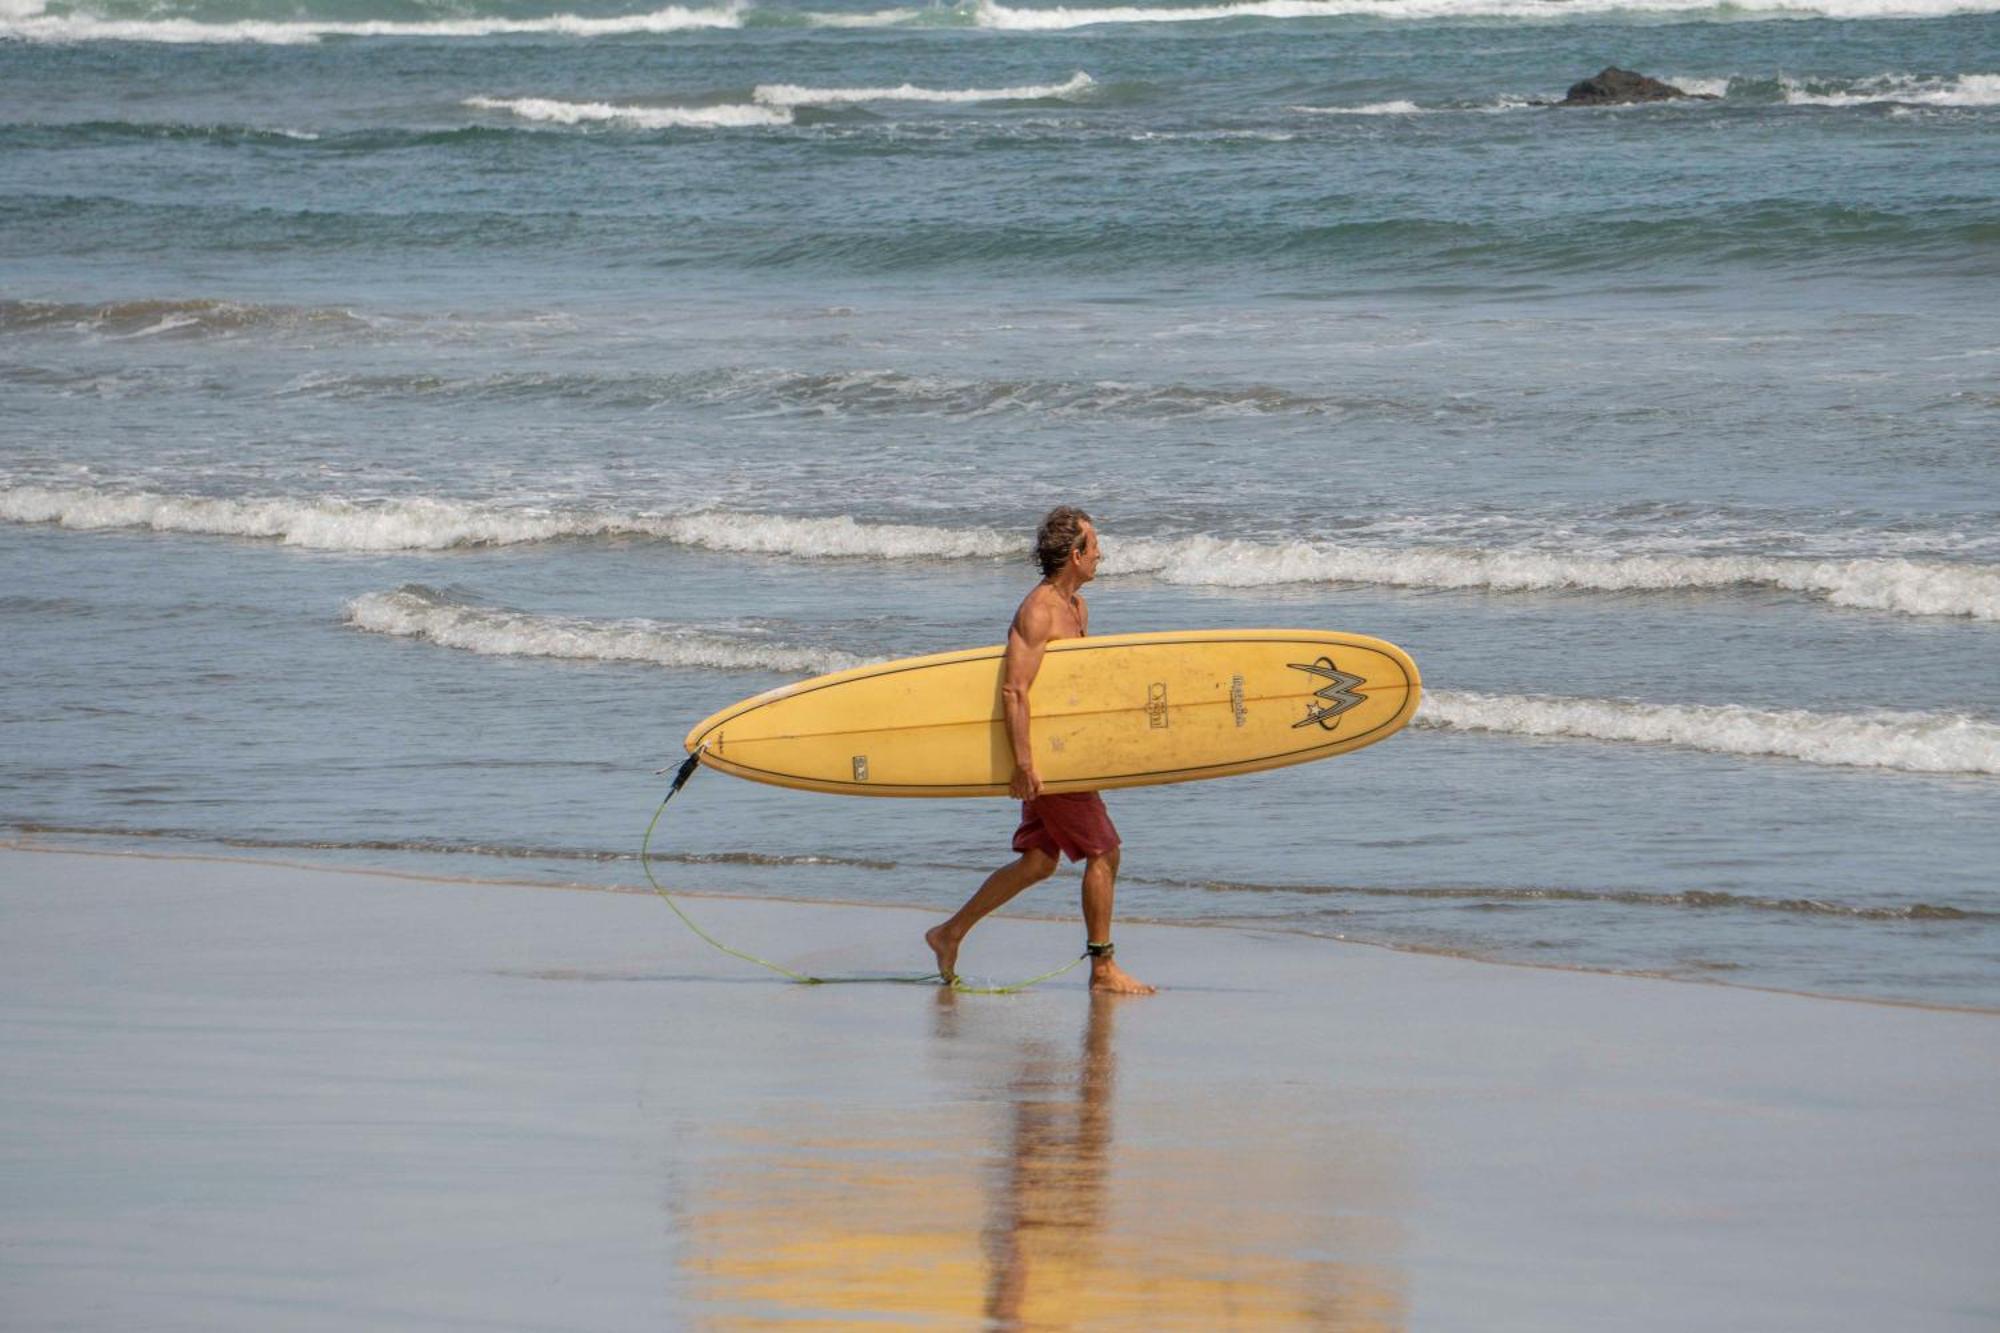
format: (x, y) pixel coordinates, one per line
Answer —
(1032, 868)
(1100, 881)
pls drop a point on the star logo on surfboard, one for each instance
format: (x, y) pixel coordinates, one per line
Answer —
(1338, 693)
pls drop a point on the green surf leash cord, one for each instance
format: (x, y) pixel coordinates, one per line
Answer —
(957, 983)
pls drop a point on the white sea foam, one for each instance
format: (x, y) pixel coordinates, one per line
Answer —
(1960, 90)
(548, 111)
(41, 27)
(321, 524)
(1908, 587)
(1907, 741)
(1406, 108)
(771, 104)
(417, 612)
(1964, 90)
(1011, 18)
(880, 18)
(1699, 87)
(424, 524)
(790, 94)
(1371, 109)
(841, 538)
(27, 20)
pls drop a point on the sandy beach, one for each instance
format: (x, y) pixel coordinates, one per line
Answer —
(243, 1095)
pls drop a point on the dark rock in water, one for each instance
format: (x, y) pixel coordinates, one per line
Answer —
(1613, 86)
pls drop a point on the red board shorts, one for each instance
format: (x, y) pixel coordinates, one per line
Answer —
(1073, 824)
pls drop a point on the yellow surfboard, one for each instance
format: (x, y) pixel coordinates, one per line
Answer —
(1121, 710)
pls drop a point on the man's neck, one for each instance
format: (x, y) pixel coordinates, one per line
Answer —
(1066, 582)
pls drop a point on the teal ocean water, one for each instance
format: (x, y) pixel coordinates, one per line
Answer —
(413, 416)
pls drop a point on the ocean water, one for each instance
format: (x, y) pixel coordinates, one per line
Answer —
(414, 416)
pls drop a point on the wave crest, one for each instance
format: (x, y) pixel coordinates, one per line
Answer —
(549, 111)
(415, 611)
(1013, 18)
(1962, 90)
(42, 27)
(1910, 742)
(791, 94)
(1907, 586)
(770, 104)
(31, 21)
(321, 524)
(1894, 584)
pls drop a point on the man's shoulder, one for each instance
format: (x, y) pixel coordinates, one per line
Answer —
(1038, 608)
(1045, 613)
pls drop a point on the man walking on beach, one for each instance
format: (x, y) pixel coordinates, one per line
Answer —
(1072, 824)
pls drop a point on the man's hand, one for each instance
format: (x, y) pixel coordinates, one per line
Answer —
(1026, 786)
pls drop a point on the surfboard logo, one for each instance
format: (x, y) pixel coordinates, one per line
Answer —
(1338, 693)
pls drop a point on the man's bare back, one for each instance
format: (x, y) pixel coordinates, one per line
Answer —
(1076, 825)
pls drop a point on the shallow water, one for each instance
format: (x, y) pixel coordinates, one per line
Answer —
(410, 423)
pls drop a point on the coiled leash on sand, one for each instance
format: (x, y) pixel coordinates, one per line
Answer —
(956, 983)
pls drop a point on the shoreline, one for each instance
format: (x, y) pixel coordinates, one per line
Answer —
(28, 846)
(236, 1088)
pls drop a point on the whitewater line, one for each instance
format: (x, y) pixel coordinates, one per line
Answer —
(31, 22)
(1910, 742)
(417, 612)
(41, 27)
(1904, 741)
(1879, 583)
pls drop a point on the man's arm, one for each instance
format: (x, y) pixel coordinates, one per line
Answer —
(1027, 642)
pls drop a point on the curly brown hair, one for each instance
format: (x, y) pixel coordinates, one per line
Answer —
(1059, 537)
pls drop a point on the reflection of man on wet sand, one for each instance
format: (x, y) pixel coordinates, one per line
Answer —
(1049, 1209)
(1072, 824)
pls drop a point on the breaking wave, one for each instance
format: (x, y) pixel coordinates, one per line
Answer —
(1011, 18)
(1942, 90)
(1397, 108)
(424, 524)
(1910, 742)
(547, 111)
(1907, 587)
(320, 524)
(770, 104)
(30, 21)
(415, 611)
(1950, 90)
(789, 94)
(1963, 90)
(43, 27)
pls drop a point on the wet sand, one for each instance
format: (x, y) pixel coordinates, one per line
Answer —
(239, 1095)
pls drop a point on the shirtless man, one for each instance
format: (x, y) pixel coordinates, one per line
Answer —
(1074, 824)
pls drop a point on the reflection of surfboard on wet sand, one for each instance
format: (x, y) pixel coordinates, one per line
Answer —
(1121, 710)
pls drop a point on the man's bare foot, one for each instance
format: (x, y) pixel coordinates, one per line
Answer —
(1110, 979)
(946, 949)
